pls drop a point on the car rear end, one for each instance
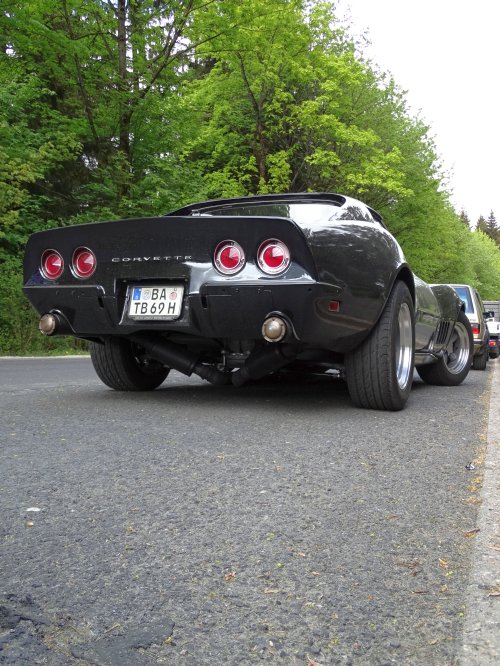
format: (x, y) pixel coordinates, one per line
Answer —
(163, 273)
(494, 342)
(475, 312)
(218, 275)
(197, 278)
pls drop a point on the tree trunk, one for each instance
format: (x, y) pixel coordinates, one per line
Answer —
(123, 82)
(260, 151)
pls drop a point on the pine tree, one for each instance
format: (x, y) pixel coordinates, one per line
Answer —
(463, 217)
(481, 224)
(493, 228)
(489, 227)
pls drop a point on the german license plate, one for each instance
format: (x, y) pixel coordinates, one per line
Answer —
(155, 302)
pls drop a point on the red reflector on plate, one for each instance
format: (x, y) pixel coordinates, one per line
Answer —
(334, 306)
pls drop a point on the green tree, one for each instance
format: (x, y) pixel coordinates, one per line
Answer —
(113, 70)
(481, 223)
(281, 114)
(484, 258)
(490, 227)
(36, 140)
(464, 218)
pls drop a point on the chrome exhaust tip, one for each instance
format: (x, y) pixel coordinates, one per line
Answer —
(47, 324)
(274, 329)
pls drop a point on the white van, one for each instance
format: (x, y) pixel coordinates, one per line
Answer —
(474, 310)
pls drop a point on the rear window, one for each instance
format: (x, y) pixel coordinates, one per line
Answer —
(464, 295)
(301, 212)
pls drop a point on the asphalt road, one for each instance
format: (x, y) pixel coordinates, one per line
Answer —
(199, 525)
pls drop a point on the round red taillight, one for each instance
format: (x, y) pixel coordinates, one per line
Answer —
(52, 264)
(84, 262)
(229, 257)
(273, 257)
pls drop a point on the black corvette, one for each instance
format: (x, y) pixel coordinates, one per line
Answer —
(236, 289)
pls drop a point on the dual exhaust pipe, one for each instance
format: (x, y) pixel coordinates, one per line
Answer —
(276, 327)
(261, 362)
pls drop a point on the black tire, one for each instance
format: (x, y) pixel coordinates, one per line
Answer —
(480, 360)
(454, 366)
(379, 372)
(123, 366)
(494, 354)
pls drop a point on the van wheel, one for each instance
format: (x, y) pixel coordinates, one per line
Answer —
(479, 362)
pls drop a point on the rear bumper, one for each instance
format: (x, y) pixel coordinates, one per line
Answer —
(494, 347)
(480, 346)
(220, 311)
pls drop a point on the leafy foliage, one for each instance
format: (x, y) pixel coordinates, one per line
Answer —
(18, 321)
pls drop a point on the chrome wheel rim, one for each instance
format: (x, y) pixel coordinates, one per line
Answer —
(404, 352)
(458, 349)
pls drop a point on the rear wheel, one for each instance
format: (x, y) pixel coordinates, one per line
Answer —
(453, 367)
(123, 366)
(479, 362)
(379, 372)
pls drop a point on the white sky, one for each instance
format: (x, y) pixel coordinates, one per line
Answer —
(446, 55)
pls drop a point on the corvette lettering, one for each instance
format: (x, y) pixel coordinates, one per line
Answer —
(168, 258)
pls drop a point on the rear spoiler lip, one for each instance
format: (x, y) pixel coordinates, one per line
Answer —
(197, 209)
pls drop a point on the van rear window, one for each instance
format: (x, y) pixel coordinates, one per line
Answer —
(464, 295)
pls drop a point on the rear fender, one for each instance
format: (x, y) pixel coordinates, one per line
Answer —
(449, 303)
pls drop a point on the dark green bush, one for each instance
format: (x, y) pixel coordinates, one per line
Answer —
(19, 334)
